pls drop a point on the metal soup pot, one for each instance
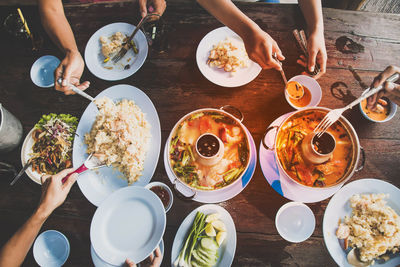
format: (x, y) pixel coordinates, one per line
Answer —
(223, 111)
(357, 153)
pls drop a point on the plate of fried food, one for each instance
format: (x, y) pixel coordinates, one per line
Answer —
(48, 146)
(222, 59)
(122, 129)
(361, 225)
(106, 42)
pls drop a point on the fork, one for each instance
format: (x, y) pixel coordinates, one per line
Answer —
(335, 114)
(126, 45)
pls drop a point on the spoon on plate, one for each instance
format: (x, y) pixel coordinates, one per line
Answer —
(354, 260)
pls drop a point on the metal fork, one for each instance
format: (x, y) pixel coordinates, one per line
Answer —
(127, 44)
(335, 114)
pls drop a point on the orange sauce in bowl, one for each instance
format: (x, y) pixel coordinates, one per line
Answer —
(380, 113)
(303, 101)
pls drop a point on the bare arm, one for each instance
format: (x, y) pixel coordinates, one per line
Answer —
(59, 30)
(54, 193)
(259, 45)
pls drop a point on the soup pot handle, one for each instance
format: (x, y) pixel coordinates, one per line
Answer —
(362, 160)
(179, 194)
(235, 109)
(265, 134)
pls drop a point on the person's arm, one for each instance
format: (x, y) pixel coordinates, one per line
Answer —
(59, 30)
(259, 45)
(391, 90)
(54, 193)
(312, 11)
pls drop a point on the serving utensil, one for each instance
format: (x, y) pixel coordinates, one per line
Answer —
(76, 90)
(335, 114)
(281, 70)
(127, 44)
(16, 178)
(301, 39)
(92, 162)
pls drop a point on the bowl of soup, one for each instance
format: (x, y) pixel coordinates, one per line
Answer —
(382, 112)
(208, 149)
(342, 145)
(302, 91)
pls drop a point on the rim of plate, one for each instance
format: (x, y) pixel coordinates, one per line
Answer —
(100, 220)
(25, 150)
(338, 197)
(187, 222)
(111, 75)
(96, 197)
(246, 75)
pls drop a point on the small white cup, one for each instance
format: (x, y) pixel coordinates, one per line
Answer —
(42, 71)
(312, 85)
(295, 222)
(51, 248)
(166, 187)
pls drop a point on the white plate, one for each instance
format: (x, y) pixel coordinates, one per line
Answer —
(130, 224)
(339, 207)
(223, 194)
(98, 262)
(226, 251)
(219, 76)
(98, 184)
(94, 58)
(282, 183)
(25, 151)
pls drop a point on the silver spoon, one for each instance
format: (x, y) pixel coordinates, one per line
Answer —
(76, 90)
(281, 71)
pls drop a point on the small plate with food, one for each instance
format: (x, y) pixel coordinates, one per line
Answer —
(361, 225)
(105, 43)
(212, 241)
(222, 59)
(124, 132)
(49, 145)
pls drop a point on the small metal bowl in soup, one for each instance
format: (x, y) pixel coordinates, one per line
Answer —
(199, 170)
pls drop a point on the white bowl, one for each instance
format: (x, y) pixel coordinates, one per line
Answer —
(393, 110)
(312, 85)
(51, 248)
(171, 196)
(42, 71)
(295, 222)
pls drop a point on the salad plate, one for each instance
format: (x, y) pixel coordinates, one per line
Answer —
(98, 184)
(99, 262)
(217, 75)
(283, 184)
(130, 224)
(109, 71)
(339, 207)
(223, 194)
(227, 249)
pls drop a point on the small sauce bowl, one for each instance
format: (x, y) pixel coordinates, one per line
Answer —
(51, 248)
(163, 192)
(313, 89)
(392, 112)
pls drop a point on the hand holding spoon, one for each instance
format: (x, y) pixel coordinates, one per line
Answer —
(76, 90)
(281, 71)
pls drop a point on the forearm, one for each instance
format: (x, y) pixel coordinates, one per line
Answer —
(227, 13)
(14, 251)
(312, 11)
(56, 24)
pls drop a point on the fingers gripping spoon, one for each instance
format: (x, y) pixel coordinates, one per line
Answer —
(76, 90)
(91, 163)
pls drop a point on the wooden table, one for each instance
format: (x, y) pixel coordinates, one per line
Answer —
(175, 85)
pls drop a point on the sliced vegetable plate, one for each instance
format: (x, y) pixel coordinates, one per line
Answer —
(207, 249)
(98, 184)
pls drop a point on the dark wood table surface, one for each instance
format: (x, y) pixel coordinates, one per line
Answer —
(175, 85)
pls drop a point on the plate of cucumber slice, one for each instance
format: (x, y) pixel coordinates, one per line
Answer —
(206, 237)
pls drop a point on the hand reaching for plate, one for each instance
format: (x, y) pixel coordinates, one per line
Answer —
(70, 70)
(154, 260)
(155, 6)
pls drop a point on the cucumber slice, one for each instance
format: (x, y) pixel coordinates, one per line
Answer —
(206, 255)
(199, 259)
(194, 263)
(209, 244)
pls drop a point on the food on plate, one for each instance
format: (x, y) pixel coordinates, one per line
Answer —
(200, 250)
(53, 136)
(299, 95)
(380, 112)
(187, 163)
(373, 228)
(228, 55)
(120, 136)
(111, 45)
(291, 158)
(162, 194)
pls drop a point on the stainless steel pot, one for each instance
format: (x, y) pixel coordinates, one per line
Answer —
(358, 151)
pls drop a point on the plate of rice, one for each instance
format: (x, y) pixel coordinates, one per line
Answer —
(124, 132)
(222, 59)
(364, 215)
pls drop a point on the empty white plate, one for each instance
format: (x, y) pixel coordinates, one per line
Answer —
(130, 224)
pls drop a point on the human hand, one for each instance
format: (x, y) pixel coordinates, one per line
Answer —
(54, 192)
(316, 54)
(391, 90)
(158, 7)
(70, 70)
(260, 48)
(154, 260)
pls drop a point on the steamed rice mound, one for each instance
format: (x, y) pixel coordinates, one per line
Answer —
(120, 137)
